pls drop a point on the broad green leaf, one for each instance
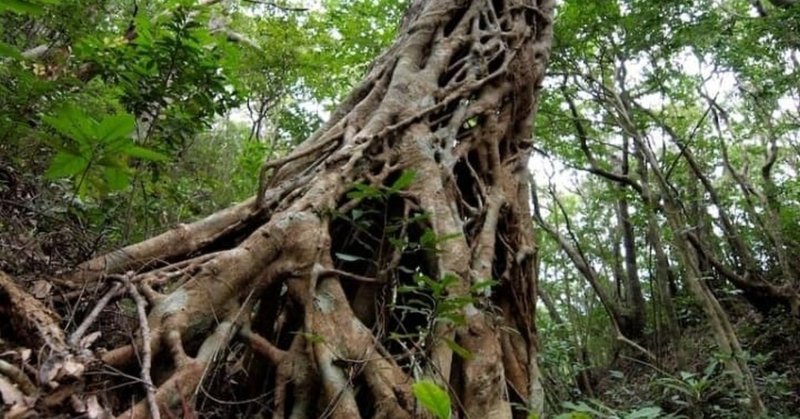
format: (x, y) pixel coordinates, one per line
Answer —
(64, 127)
(433, 398)
(72, 123)
(115, 126)
(112, 160)
(66, 165)
(145, 154)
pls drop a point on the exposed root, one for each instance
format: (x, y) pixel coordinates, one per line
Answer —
(182, 240)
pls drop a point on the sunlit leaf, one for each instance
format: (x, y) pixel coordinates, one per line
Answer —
(433, 397)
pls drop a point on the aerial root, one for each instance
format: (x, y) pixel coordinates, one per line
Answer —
(348, 349)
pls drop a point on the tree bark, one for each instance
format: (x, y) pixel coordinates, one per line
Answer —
(429, 152)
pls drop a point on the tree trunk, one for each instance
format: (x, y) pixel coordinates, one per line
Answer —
(417, 182)
(633, 286)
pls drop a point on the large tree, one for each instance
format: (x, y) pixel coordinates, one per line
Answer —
(393, 245)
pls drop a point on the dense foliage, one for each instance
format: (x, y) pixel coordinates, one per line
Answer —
(666, 173)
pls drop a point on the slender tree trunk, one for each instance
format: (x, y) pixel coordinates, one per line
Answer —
(725, 337)
(719, 321)
(634, 296)
(430, 153)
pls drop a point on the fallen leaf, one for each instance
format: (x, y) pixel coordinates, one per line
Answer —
(41, 289)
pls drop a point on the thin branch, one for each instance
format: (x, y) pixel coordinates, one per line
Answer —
(147, 355)
(583, 137)
(115, 291)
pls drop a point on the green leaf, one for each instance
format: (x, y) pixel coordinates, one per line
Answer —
(481, 285)
(404, 181)
(145, 154)
(116, 178)
(428, 239)
(66, 165)
(20, 6)
(458, 349)
(433, 398)
(115, 126)
(364, 191)
(7, 50)
(72, 123)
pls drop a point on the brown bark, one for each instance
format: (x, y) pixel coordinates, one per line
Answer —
(452, 102)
